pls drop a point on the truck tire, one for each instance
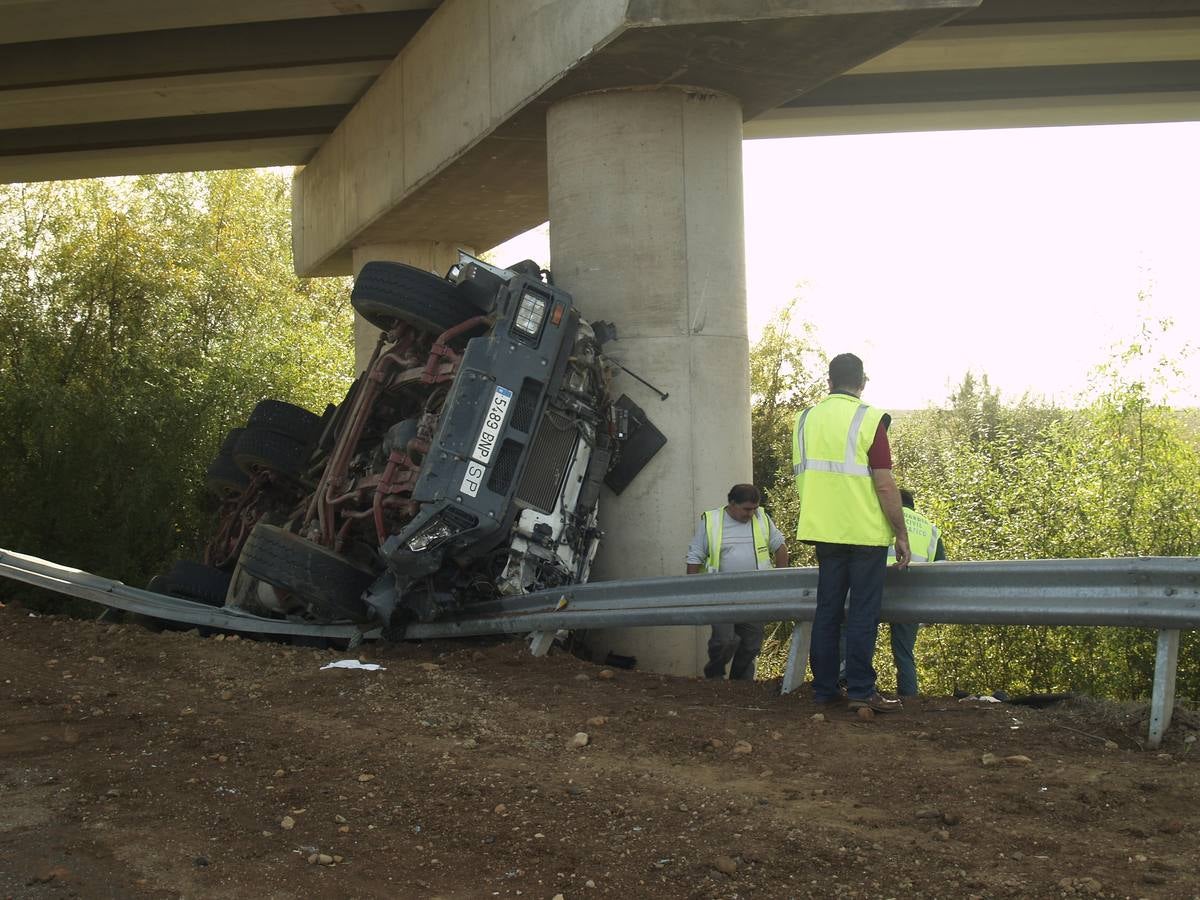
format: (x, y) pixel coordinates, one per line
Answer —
(224, 478)
(386, 293)
(332, 585)
(196, 581)
(259, 448)
(231, 440)
(286, 419)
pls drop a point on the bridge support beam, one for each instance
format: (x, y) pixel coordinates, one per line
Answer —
(646, 230)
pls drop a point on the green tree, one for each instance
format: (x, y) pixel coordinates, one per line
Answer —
(140, 319)
(786, 375)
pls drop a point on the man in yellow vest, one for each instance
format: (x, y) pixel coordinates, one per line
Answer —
(740, 537)
(925, 545)
(850, 509)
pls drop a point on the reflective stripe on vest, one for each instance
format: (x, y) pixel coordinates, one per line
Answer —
(714, 527)
(830, 446)
(923, 537)
(849, 464)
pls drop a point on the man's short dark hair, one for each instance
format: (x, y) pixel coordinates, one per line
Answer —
(744, 493)
(907, 499)
(846, 371)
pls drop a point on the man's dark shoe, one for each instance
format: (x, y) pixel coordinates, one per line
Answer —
(877, 702)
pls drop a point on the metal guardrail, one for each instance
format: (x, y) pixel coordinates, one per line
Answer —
(118, 595)
(1147, 592)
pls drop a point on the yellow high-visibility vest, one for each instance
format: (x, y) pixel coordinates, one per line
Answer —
(923, 537)
(714, 527)
(838, 504)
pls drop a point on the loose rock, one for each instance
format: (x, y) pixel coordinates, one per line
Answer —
(287, 823)
(990, 759)
(606, 674)
(865, 712)
(818, 717)
(742, 748)
(580, 740)
(597, 721)
(726, 865)
(1017, 760)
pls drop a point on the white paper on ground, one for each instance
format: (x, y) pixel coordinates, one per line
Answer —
(353, 664)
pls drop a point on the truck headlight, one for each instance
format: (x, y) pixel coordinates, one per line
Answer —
(531, 313)
(440, 529)
(434, 533)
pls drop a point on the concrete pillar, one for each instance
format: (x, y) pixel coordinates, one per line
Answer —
(434, 256)
(645, 196)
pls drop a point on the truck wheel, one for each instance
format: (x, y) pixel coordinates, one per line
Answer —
(259, 448)
(195, 581)
(231, 440)
(386, 293)
(286, 419)
(224, 478)
(331, 584)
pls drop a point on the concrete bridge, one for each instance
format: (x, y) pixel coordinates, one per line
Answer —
(426, 126)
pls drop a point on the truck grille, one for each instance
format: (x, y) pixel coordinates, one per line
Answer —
(526, 406)
(549, 459)
(505, 467)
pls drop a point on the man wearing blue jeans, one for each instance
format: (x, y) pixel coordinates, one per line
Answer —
(925, 545)
(850, 509)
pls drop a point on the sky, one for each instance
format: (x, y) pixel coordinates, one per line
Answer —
(1027, 254)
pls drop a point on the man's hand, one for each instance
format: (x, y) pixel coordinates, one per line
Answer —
(889, 502)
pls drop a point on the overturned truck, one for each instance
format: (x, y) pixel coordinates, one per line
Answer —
(465, 463)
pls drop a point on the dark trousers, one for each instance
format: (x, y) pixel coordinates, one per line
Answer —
(854, 572)
(738, 644)
(904, 642)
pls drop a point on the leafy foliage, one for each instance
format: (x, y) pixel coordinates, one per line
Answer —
(140, 319)
(1023, 480)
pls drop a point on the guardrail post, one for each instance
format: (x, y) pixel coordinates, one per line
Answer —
(797, 661)
(540, 641)
(1162, 699)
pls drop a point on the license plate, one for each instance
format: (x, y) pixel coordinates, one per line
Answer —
(489, 437)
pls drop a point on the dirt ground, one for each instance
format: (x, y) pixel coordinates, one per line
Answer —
(135, 764)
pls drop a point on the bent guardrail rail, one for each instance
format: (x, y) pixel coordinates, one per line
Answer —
(1145, 592)
(118, 595)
